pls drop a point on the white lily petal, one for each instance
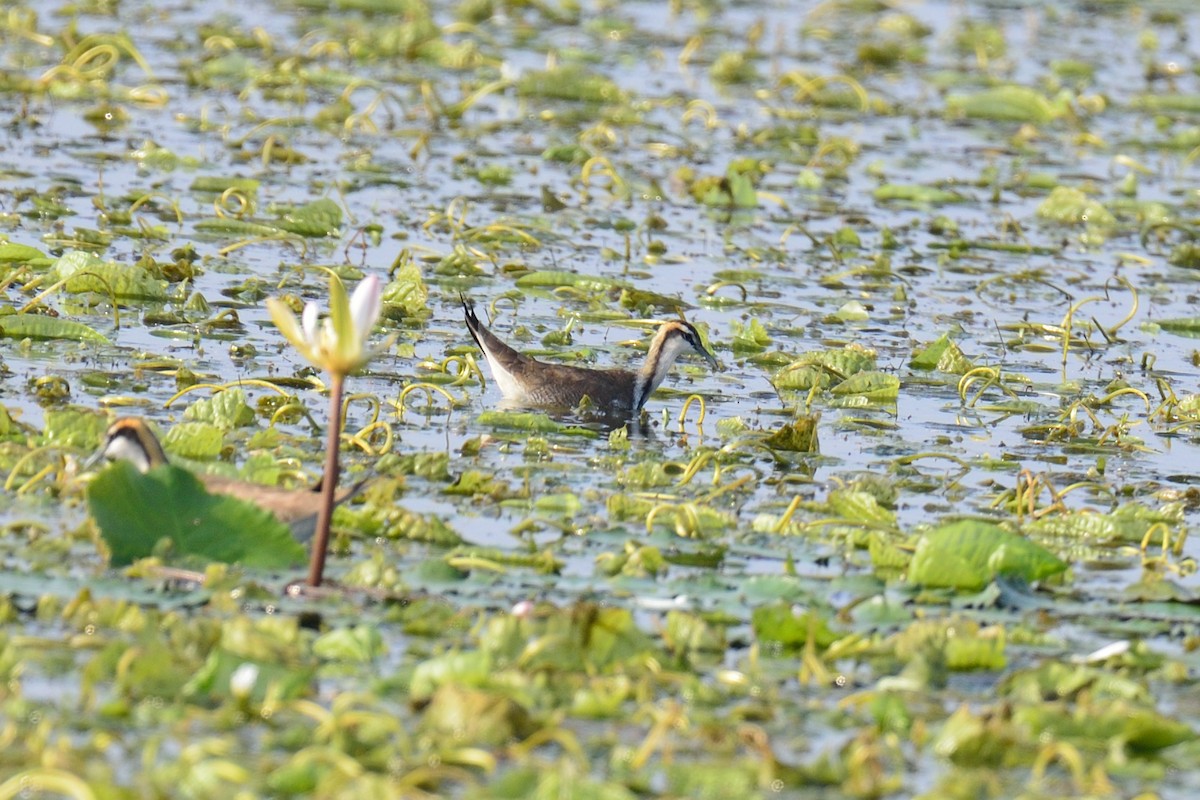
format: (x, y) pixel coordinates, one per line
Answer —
(365, 305)
(286, 321)
(241, 682)
(309, 323)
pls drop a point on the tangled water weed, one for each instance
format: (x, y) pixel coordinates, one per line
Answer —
(926, 535)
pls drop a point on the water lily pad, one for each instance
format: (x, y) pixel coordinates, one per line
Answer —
(39, 326)
(969, 553)
(85, 272)
(136, 511)
(316, 219)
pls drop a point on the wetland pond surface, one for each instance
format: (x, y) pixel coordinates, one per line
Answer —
(926, 533)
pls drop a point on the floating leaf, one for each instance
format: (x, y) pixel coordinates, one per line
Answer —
(39, 326)
(221, 184)
(1067, 205)
(942, 355)
(136, 511)
(11, 253)
(924, 195)
(1004, 103)
(798, 437)
(878, 387)
(195, 440)
(316, 219)
(557, 277)
(75, 427)
(569, 83)
(968, 554)
(782, 624)
(1181, 326)
(225, 410)
(360, 644)
(86, 272)
(822, 366)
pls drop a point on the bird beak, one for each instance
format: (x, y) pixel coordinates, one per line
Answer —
(712, 362)
(93, 460)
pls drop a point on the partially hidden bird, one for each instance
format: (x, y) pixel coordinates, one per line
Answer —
(131, 439)
(525, 381)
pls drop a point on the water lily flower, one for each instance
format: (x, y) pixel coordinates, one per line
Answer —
(338, 343)
(243, 679)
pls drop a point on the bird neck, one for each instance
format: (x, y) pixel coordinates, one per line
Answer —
(664, 349)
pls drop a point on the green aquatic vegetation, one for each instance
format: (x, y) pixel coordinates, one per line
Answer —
(823, 367)
(919, 195)
(196, 441)
(445, 150)
(570, 82)
(733, 67)
(870, 386)
(1069, 206)
(1010, 103)
(800, 436)
(83, 273)
(136, 513)
(969, 553)
(749, 338)
(942, 355)
(785, 627)
(1128, 523)
(1186, 255)
(226, 410)
(15, 325)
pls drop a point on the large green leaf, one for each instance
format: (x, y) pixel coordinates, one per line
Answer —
(135, 512)
(969, 553)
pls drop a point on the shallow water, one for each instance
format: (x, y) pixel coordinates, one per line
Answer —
(422, 164)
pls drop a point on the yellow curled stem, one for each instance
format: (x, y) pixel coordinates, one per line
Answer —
(372, 402)
(684, 513)
(725, 488)
(430, 390)
(217, 388)
(1066, 754)
(45, 780)
(695, 465)
(21, 462)
(148, 196)
(698, 400)
(363, 437)
(712, 290)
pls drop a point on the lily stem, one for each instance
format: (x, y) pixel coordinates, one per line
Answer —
(329, 483)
